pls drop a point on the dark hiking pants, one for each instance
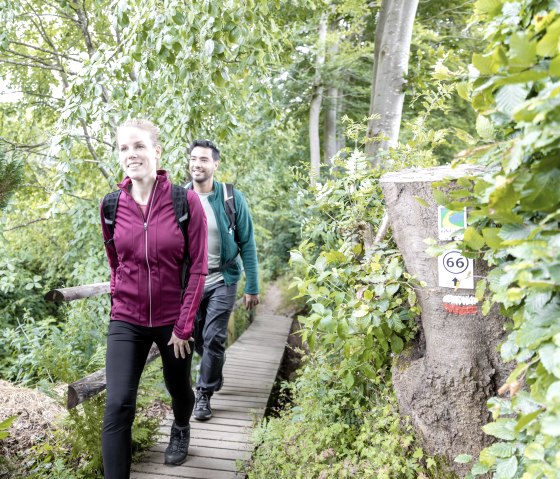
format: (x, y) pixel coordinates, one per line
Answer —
(211, 333)
(127, 349)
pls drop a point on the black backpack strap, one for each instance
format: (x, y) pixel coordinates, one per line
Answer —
(181, 209)
(110, 203)
(229, 205)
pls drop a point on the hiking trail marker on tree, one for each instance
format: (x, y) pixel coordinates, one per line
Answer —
(455, 271)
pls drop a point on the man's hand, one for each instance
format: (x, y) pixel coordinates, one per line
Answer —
(251, 300)
(180, 346)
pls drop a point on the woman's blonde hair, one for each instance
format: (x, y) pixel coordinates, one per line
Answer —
(145, 125)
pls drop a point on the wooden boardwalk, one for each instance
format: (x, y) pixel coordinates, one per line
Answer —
(216, 445)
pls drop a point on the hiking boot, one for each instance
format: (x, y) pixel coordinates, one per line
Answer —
(202, 410)
(176, 452)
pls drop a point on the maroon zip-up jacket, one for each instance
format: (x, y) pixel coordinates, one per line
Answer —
(146, 256)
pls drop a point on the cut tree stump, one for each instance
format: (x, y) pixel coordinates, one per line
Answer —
(445, 378)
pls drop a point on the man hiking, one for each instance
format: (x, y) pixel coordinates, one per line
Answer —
(230, 243)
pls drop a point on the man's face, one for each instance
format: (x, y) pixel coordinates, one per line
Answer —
(201, 164)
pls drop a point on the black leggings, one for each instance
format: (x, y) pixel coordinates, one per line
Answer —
(127, 349)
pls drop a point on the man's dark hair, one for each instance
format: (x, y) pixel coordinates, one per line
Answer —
(206, 144)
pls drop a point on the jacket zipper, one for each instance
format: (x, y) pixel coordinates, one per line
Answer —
(146, 220)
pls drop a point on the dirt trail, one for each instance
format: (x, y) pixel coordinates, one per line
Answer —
(271, 302)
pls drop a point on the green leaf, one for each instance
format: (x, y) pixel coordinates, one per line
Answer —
(554, 67)
(506, 469)
(480, 289)
(549, 354)
(522, 50)
(392, 288)
(397, 344)
(542, 192)
(550, 425)
(488, 7)
(485, 128)
(509, 350)
(463, 458)
(473, 239)
(492, 238)
(502, 429)
(479, 469)
(525, 420)
(548, 44)
(534, 451)
(502, 449)
(529, 336)
(510, 97)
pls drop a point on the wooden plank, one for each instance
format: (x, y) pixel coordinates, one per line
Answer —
(196, 451)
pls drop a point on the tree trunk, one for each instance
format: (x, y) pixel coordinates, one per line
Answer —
(330, 136)
(390, 66)
(445, 378)
(315, 106)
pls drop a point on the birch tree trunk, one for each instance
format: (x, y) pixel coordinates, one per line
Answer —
(330, 136)
(390, 66)
(444, 379)
(330, 132)
(315, 106)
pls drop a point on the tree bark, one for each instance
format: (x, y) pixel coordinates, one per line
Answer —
(315, 106)
(444, 379)
(390, 66)
(330, 136)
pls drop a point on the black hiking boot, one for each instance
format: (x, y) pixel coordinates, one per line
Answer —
(176, 452)
(202, 410)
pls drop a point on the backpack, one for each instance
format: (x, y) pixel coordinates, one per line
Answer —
(181, 209)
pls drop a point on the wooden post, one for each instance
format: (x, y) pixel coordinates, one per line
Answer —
(444, 379)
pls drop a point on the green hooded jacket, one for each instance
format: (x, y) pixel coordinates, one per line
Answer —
(245, 247)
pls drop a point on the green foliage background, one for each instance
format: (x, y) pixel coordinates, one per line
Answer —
(241, 72)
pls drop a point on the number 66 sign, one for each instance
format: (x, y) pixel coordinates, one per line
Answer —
(455, 271)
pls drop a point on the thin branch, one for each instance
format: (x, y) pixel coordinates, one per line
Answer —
(92, 152)
(34, 47)
(29, 57)
(25, 225)
(23, 147)
(44, 67)
(32, 93)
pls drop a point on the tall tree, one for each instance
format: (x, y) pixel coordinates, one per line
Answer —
(330, 136)
(316, 101)
(390, 66)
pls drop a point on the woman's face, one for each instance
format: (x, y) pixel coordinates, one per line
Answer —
(138, 155)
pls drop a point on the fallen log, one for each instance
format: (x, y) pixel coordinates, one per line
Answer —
(61, 295)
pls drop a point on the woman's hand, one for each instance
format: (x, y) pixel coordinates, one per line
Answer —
(180, 346)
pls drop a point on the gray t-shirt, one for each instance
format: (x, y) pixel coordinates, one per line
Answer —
(213, 240)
